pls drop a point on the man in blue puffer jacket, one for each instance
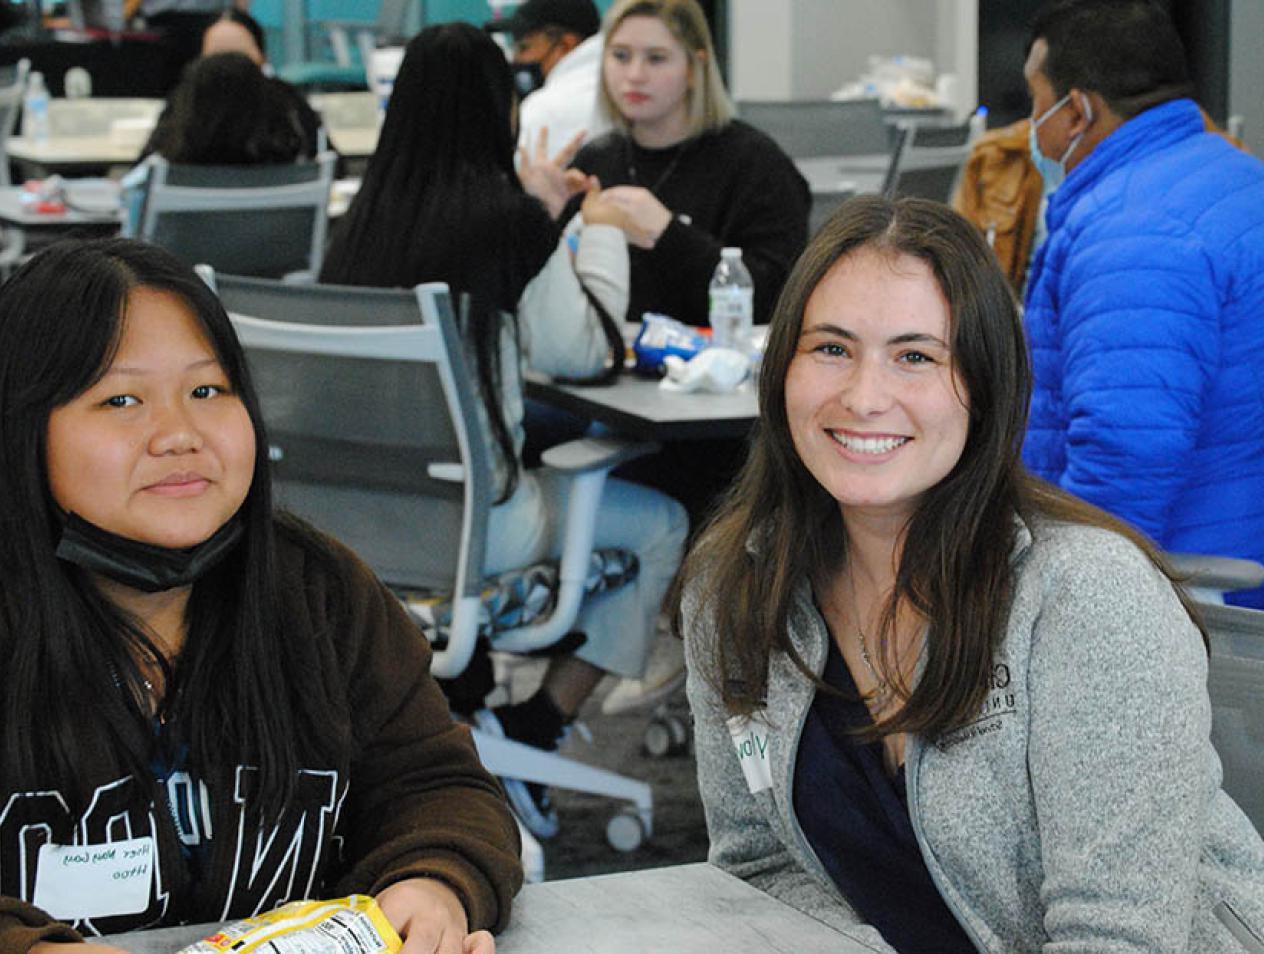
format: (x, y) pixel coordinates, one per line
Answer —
(1145, 306)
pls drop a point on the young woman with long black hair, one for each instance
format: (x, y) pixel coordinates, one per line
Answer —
(189, 679)
(441, 202)
(225, 111)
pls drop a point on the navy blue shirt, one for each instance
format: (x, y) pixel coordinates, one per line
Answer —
(855, 817)
(185, 798)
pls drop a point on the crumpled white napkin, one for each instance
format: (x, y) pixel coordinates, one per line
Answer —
(718, 370)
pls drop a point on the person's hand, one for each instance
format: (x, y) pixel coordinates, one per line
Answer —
(547, 177)
(69, 947)
(647, 218)
(598, 209)
(428, 915)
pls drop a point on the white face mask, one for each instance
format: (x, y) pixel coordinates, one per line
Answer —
(1053, 171)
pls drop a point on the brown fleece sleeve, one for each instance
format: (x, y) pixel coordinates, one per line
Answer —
(22, 925)
(420, 802)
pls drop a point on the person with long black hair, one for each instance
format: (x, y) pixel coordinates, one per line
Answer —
(189, 679)
(441, 202)
(690, 179)
(226, 112)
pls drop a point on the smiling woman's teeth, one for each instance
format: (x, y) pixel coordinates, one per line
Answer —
(869, 445)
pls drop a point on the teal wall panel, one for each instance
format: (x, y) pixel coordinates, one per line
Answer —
(473, 11)
(270, 12)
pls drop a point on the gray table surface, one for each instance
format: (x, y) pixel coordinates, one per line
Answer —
(95, 209)
(638, 407)
(18, 219)
(693, 909)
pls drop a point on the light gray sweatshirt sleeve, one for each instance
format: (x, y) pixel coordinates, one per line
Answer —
(1118, 749)
(562, 334)
(743, 841)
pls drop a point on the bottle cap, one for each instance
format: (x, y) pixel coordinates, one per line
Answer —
(730, 252)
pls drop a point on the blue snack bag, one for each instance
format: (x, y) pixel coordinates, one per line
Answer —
(660, 336)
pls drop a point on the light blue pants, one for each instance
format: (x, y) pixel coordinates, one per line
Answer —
(619, 624)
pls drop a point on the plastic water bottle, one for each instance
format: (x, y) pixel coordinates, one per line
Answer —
(732, 314)
(35, 108)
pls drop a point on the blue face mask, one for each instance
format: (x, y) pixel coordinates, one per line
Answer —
(1053, 171)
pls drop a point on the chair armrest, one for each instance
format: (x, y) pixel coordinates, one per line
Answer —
(1216, 572)
(597, 453)
(587, 462)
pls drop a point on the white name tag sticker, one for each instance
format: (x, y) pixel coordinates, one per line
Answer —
(94, 881)
(750, 738)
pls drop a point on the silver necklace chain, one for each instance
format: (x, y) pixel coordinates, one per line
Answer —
(881, 687)
(635, 178)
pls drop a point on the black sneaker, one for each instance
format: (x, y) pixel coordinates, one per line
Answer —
(531, 801)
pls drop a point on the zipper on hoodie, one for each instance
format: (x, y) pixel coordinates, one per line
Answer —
(912, 764)
(1237, 926)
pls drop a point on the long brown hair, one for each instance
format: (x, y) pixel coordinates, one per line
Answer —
(778, 527)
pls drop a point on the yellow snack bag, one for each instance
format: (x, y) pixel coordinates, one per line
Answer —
(353, 925)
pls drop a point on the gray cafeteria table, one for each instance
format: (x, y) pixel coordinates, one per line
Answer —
(694, 909)
(638, 407)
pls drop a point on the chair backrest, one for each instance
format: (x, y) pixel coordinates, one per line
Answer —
(1236, 683)
(373, 432)
(12, 89)
(265, 220)
(824, 205)
(807, 129)
(927, 159)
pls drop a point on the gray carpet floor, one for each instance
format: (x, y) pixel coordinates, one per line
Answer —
(580, 847)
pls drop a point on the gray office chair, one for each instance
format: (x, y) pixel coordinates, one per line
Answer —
(927, 159)
(1207, 578)
(811, 129)
(12, 89)
(1235, 682)
(377, 439)
(817, 133)
(266, 220)
(824, 205)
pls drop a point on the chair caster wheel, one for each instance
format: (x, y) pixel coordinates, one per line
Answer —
(625, 831)
(666, 735)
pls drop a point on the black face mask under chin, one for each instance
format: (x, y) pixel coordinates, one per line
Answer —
(143, 566)
(527, 77)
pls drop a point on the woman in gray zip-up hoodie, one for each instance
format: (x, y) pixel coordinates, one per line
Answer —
(1030, 675)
